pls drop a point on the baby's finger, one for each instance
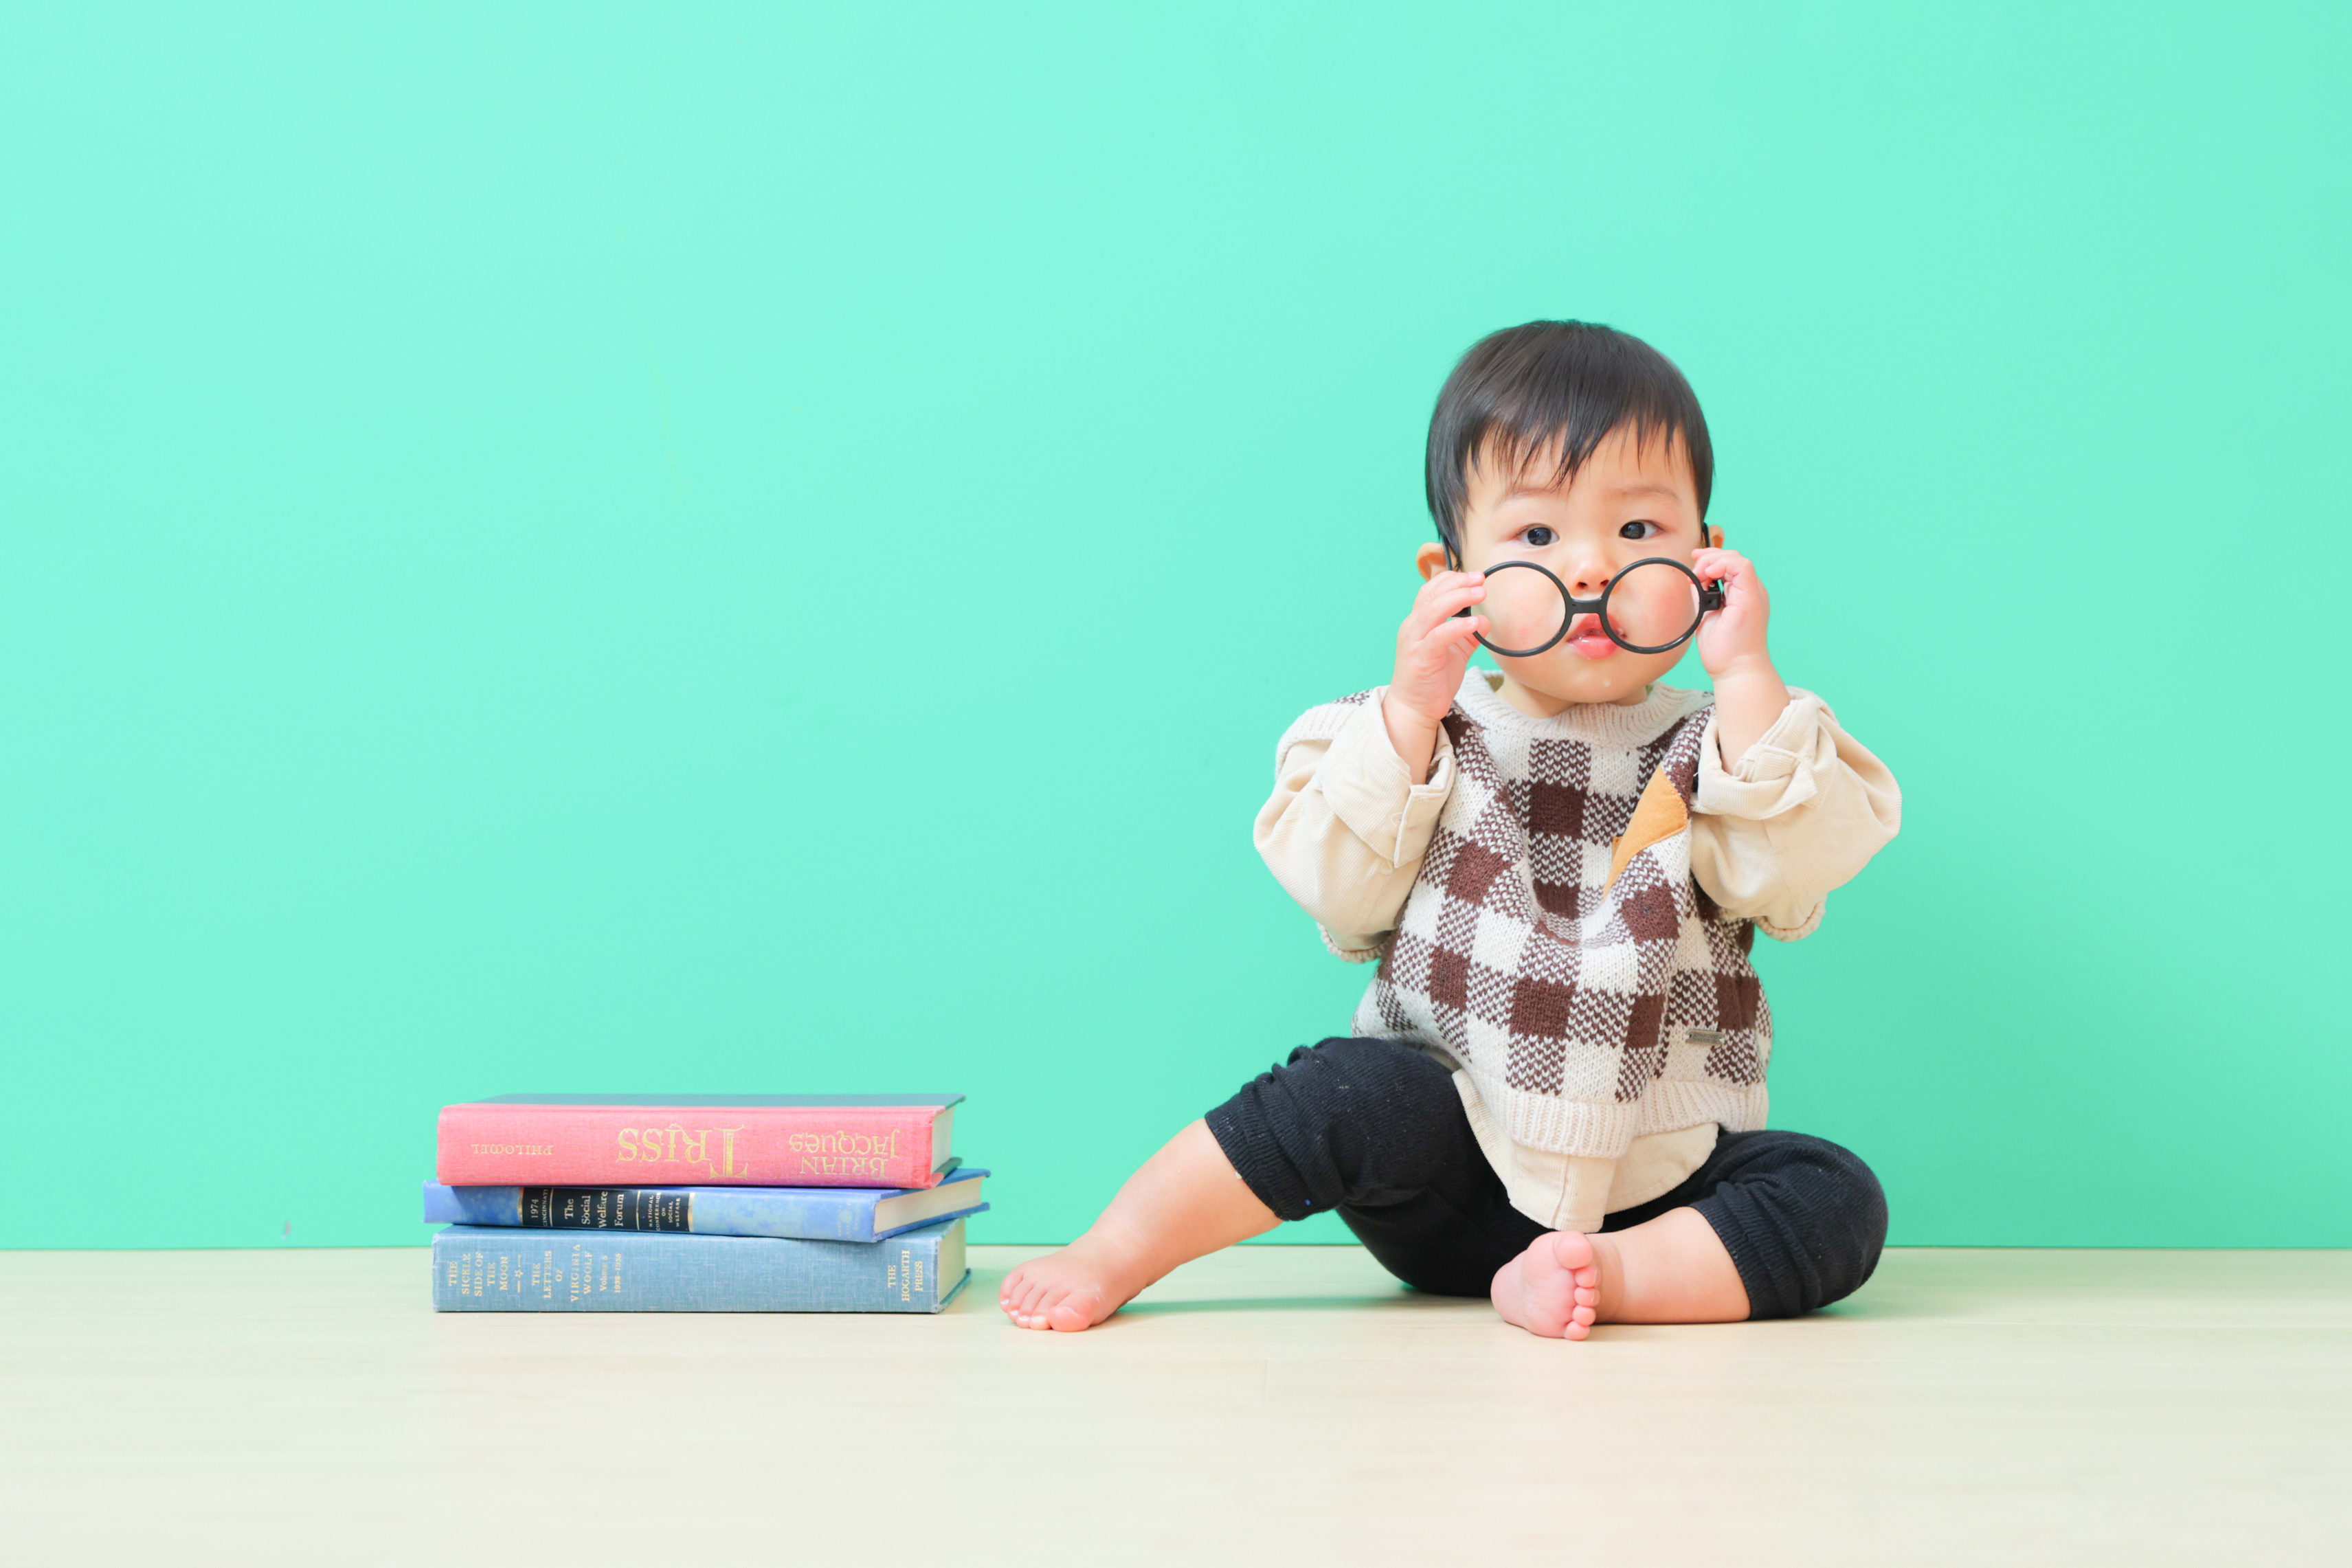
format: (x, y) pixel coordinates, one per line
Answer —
(1446, 583)
(1455, 638)
(1445, 640)
(1723, 566)
(1432, 609)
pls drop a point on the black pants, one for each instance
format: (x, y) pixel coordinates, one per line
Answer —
(1376, 1131)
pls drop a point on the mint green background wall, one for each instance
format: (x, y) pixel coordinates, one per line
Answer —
(761, 547)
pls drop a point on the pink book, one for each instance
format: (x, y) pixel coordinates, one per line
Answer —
(698, 1140)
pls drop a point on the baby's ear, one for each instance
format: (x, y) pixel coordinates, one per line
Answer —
(1715, 537)
(1430, 558)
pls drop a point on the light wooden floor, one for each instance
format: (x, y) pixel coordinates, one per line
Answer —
(1272, 1404)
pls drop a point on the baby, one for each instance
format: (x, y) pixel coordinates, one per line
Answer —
(1554, 1091)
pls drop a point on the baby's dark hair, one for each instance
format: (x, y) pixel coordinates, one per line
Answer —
(1524, 389)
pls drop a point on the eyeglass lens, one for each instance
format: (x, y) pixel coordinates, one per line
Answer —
(1651, 606)
(1525, 610)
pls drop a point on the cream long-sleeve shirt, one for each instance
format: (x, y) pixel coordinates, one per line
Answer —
(1795, 817)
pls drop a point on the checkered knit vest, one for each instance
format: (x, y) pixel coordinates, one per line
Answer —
(1556, 946)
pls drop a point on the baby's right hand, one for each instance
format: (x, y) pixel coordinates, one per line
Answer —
(1432, 650)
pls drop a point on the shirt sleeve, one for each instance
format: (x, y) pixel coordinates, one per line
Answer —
(1798, 814)
(1346, 827)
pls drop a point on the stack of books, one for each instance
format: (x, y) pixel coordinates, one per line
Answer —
(640, 1203)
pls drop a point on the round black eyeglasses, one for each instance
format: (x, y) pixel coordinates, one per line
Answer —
(1654, 605)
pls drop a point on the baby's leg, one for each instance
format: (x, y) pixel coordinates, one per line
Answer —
(1370, 1128)
(1773, 1225)
(1186, 1202)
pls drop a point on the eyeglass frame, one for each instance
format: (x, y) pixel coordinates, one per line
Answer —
(1709, 601)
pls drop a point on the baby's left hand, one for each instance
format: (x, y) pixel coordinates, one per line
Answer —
(1732, 638)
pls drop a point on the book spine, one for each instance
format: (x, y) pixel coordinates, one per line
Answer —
(496, 1270)
(472, 1206)
(485, 1145)
(805, 1213)
(808, 1216)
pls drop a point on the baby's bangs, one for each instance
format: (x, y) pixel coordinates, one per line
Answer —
(1521, 448)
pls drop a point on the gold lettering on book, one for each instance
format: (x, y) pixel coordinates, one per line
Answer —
(679, 1145)
(512, 1148)
(846, 1153)
(843, 1166)
(885, 1144)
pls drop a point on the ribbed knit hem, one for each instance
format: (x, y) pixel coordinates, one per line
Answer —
(1624, 726)
(1812, 923)
(1803, 1220)
(1604, 1131)
(1350, 954)
(1748, 1234)
(1242, 1130)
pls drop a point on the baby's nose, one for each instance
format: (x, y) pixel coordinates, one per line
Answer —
(1590, 577)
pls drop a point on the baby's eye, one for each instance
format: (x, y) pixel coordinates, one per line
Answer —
(1540, 536)
(1641, 529)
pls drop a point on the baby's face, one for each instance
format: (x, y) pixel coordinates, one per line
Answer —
(1627, 502)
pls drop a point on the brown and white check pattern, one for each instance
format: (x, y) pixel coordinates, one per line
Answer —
(1585, 1013)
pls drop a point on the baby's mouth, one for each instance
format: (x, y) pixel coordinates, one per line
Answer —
(1587, 637)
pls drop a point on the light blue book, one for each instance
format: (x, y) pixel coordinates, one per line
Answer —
(499, 1268)
(809, 1214)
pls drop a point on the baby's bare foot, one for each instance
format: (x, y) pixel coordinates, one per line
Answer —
(1553, 1289)
(1073, 1288)
(1186, 1202)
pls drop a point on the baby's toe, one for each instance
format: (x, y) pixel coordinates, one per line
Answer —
(1573, 1251)
(1076, 1309)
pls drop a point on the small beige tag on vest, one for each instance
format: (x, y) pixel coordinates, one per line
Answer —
(1658, 816)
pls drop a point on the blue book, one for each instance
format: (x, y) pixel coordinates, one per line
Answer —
(498, 1268)
(809, 1214)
